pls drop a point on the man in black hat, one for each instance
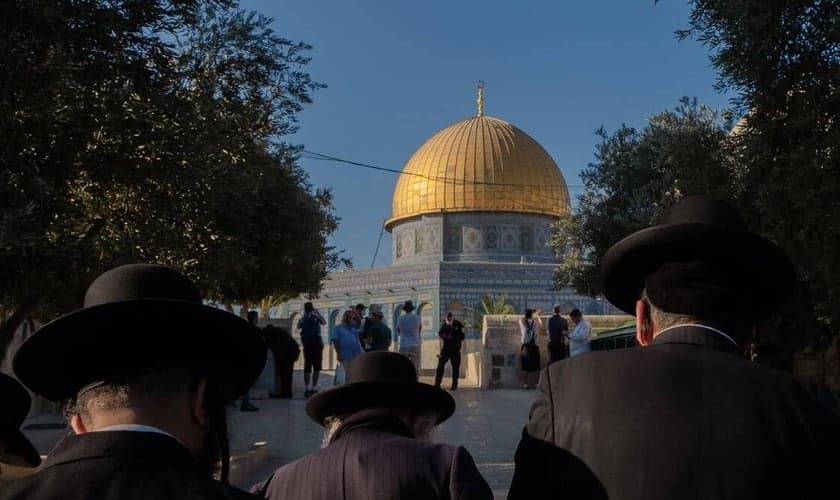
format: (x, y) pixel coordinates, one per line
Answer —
(686, 415)
(358, 316)
(146, 370)
(17, 455)
(378, 334)
(359, 322)
(377, 445)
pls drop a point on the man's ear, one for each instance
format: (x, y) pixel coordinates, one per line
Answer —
(198, 408)
(644, 325)
(77, 425)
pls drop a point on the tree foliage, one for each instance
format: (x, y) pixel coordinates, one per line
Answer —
(491, 304)
(496, 304)
(782, 58)
(780, 165)
(639, 173)
(152, 130)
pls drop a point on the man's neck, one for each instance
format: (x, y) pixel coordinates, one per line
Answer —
(128, 420)
(134, 428)
(699, 325)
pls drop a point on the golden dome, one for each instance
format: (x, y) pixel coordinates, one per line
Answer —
(479, 164)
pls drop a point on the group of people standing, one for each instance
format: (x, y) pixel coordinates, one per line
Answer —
(353, 335)
(560, 341)
(357, 333)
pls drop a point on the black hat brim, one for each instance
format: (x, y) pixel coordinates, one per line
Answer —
(119, 338)
(18, 451)
(769, 273)
(355, 396)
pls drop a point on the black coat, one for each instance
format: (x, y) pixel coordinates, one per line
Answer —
(119, 465)
(452, 336)
(281, 344)
(377, 460)
(686, 417)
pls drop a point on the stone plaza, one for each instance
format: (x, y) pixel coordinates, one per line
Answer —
(487, 423)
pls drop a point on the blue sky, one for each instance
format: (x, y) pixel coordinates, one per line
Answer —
(399, 71)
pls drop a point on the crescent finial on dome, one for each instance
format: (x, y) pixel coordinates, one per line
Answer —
(480, 99)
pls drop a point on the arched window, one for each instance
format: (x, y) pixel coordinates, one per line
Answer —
(427, 319)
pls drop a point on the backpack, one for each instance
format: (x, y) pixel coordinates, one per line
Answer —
(530, 333)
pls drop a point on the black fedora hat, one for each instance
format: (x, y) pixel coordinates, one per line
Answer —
(136, 317)
(15, 449)
(380, 378)
(697, 229)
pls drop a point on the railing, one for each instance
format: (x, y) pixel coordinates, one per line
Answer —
(618, 338)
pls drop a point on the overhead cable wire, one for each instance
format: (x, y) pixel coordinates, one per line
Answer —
(321, 156)
(376, 252)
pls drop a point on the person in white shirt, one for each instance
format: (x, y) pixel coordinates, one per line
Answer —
(579, 338)
(408, 334)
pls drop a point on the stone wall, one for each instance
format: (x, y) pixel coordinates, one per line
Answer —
(500, 355)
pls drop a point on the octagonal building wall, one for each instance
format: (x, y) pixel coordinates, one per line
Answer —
(473, 237)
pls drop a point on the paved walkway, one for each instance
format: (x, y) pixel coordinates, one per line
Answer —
(487, 423)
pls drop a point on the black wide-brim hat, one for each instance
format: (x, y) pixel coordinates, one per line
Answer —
(137, 317)
(699, 228)
(15, 449)
(380, 378)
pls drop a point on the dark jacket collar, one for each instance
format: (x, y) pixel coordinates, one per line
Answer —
(697, 335)
(129, 444)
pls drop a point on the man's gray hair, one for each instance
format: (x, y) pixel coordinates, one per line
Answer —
(421, 423)
(149, 390)
(735, 323)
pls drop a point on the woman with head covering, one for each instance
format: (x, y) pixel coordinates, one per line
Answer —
(529, 354)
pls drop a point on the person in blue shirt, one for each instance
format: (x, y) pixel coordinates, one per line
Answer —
(345, 341)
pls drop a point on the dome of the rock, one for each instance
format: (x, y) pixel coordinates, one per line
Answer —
(479, 164)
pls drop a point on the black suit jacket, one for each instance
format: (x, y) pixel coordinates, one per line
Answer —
(686, 417)
(371, 460)
(119, 465)
(452, 336)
